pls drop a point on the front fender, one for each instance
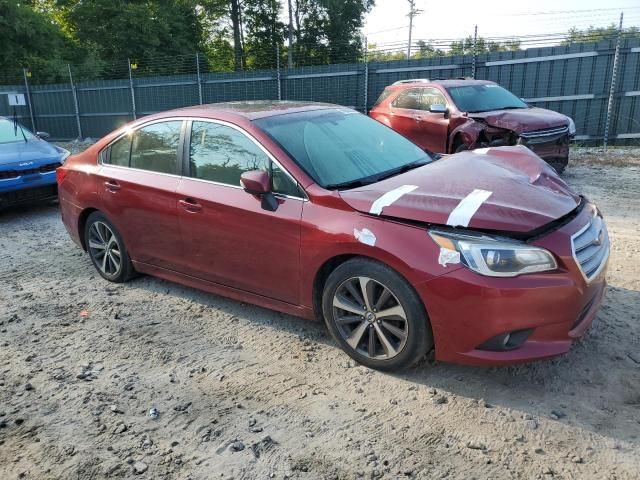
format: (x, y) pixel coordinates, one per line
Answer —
(468, 132)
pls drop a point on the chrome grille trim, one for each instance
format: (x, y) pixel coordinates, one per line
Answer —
(590, 247)
(549, 132)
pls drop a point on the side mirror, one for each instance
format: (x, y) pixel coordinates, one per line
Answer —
(438, 108)
(255, 182)
(43, 135)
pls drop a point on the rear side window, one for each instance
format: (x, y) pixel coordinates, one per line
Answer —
(155, 147)
(410, 99)
(119, 152)
(220, 153)
(385, 94)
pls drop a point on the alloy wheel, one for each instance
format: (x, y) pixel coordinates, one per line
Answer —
(104, 248)
(370, 318)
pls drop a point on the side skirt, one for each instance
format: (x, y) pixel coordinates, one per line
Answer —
(225, 291)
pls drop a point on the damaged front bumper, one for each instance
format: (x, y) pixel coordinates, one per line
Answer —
(537, 315)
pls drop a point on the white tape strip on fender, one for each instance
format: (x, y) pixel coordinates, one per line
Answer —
(390, 197)
(365, 236)
(468, 206)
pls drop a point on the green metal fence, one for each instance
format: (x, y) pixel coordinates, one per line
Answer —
(572, 79)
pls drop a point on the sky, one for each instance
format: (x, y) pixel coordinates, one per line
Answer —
(388, 22)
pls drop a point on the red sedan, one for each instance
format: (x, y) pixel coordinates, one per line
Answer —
(315, 210)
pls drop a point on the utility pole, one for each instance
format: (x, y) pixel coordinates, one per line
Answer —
(290, 52)
(612, 87)
(413, 11)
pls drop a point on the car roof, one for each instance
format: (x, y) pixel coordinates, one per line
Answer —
(446, 83)
(251, 110)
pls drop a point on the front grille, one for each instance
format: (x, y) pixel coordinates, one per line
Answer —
(49, 167)
(591, 247)
(545, 136)
(28, 195)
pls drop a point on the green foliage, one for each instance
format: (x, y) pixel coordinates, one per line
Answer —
(465, 46)
(593, 34)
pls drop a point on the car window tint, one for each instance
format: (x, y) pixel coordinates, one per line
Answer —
(431, 96)
(119, 152)
(155, 147)
(221, 154)
(411, 99)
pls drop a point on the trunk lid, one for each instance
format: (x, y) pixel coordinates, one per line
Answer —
(525, 195)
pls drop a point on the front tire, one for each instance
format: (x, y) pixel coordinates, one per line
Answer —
(106, 249)
(375, 315)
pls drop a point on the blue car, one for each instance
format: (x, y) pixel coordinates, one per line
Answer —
(27, 165)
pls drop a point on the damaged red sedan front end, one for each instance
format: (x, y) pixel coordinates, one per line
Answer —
(449, 116)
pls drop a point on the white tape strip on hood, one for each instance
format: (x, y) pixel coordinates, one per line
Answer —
(390, 197)
(468, 206)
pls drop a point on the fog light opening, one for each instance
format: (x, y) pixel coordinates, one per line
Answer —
(506, 341)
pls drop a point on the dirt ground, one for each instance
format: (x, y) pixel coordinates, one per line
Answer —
(246, 393)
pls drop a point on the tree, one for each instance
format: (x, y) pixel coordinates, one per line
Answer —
(593, 34)
(30, 41)
(465, 46)
(265, 32)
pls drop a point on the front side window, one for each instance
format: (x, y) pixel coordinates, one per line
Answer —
(221, 154)
(484, 98)
(340, 148)
(155, 147)
(432, 96)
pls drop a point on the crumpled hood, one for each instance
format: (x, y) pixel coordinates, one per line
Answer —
(525, 192)
(36, 151)
(522, 120)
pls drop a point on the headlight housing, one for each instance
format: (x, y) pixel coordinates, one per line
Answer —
(495, 257)
(572, 126)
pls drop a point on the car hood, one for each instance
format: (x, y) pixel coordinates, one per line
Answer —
(525, 194)
(522, 120)
(36, 151)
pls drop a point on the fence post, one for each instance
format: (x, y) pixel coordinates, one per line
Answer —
(28, 92)
(75, 103)
(278, 72)
(475, 52)
(366, 75)
(612, 88)
(133, 93)
(199, 79)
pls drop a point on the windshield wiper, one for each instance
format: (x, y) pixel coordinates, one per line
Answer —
(402, 169)
(350, 184)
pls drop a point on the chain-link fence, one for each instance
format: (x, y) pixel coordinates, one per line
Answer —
(597, 83)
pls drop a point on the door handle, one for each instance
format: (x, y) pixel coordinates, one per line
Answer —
(112, 186)
(190, 205)
(418, 118)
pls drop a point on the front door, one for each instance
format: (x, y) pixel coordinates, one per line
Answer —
(433, 127)
(138, 183)
(404, 112)
(228, 237)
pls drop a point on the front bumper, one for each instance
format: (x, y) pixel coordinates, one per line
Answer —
(467, 309)
(34, 188)
(551, 145)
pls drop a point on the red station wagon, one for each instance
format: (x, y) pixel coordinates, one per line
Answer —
(449, 116)
(315, 210)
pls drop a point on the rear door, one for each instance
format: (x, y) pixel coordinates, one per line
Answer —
(404, 111)
(228, 237)
(138, 181)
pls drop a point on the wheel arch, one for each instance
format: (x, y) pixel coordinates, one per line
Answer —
(82, 222)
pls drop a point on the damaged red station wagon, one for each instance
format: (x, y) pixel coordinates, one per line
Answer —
(315, 210)
(450, 116)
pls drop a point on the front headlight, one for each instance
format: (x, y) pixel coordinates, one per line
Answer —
(495, 257)
(572, 126)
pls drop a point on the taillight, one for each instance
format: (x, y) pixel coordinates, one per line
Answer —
(61, 172)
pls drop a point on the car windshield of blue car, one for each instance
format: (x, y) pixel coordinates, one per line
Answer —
(341, 148)
(9, 133)
(484, 98)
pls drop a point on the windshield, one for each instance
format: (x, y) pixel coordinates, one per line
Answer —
(342, 148)
(483, 98)
(9, 134)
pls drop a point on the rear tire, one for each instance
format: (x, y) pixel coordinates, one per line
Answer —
(106, 249)
(376, 316)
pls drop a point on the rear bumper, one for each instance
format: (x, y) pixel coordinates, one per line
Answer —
(467, 309)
